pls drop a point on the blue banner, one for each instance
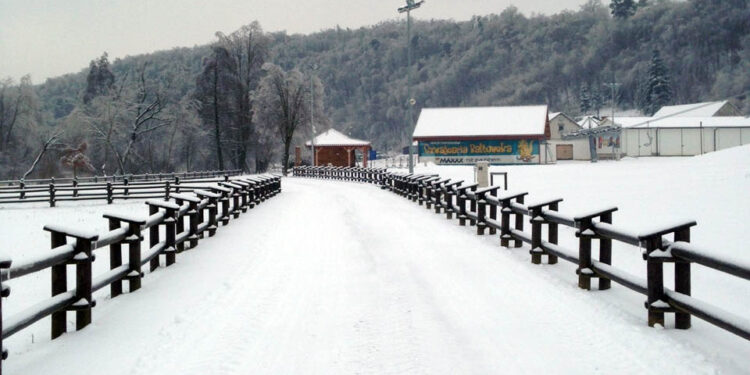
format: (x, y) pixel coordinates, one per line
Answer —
(521, 150)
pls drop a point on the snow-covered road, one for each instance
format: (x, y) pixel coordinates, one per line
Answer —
(333, 277)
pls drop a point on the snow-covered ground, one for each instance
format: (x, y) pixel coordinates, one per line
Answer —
(334, 277)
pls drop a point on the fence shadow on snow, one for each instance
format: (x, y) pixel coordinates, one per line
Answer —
(184, 219)
(493, 211)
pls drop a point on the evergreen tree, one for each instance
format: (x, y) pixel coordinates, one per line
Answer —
(584, 99)
(658, 87)
(596, 99)
(99, 80)
(622, 9)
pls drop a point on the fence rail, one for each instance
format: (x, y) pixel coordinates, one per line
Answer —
(185, 219)
(109, 188)
(116, 178)
(504, 213)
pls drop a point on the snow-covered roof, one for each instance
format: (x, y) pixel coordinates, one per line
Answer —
(683, 122)
(588, 122)
(481, 122)
(333, 137)
(553, 115)
(706, 109)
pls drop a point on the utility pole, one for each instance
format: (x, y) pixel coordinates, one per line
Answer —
(313, 68)
(410, 5)
(614, 85)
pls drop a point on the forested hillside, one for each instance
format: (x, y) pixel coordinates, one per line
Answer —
(564, 60)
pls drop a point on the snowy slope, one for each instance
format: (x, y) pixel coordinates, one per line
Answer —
(335, 277)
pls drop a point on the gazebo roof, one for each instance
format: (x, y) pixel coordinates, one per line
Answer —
(332, 137)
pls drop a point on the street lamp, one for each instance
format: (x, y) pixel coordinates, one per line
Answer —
(313, 68)
(410, 5)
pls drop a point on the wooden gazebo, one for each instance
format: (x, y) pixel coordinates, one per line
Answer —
(336, 149)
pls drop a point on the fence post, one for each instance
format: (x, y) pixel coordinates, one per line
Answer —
(125, 190)
(655, 283)
(59, 284)
(195, 215)
(682, 280)
(481, 212)
(167, 190)
(536, 234)
(505, 212)
(176, 184)
(153, 238)
(605, 251)
(449, 208)
(170, 223)
(22, 185)
(83, 282)
(552, 230)
(75, 186)
(536, 211)
(115, 256)
(52, 194)
(134, 255)
(179, 226)
(4, 293)
(493, 216)
(213, 209)
(585, 234)
(519, 221)
(82, 260)
(110, 193)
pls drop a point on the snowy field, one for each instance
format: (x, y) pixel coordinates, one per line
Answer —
(338, 277)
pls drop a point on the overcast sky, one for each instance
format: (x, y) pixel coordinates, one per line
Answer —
(47, 38)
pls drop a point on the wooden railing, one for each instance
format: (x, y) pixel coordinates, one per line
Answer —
(505, 214)
(202, 210)
(108, 188)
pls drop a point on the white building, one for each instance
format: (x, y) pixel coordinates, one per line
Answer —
(684, 130)
(566, 149)
(500, 135)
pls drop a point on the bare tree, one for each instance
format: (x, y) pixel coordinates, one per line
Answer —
(249, 48)
(51, 142)
(283, 105)
(215, 99)
(15, 102)
(124, 117)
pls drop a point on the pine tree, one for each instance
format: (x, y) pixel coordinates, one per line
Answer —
(658, 87)
(585, 99)
(99, 80)
(596, 99)
(622, 9)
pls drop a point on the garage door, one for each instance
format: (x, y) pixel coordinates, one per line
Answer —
(564, 152)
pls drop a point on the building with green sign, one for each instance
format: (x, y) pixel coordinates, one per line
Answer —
(499, 135)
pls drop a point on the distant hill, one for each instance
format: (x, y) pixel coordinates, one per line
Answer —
(504, 59)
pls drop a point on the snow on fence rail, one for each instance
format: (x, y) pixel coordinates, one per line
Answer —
(491, 210)
(205, 208)
(108, 188)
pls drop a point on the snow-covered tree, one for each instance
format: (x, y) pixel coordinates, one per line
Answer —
(584, 99)
(657, 91)
(283, 103)
(622, 9)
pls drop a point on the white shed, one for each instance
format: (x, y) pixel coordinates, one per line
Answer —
(500, 135)
(682, 136)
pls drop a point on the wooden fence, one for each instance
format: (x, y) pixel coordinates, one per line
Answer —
(504, 214)
(184, 218)
(108, 188)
